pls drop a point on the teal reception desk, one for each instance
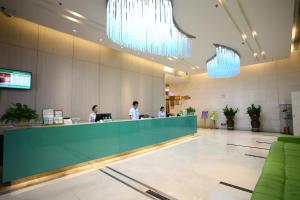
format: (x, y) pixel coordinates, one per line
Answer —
(37, 150)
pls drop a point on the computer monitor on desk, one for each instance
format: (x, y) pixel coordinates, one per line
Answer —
(103, 116)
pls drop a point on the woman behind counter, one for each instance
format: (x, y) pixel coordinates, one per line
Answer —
(162, 112)
(92, 117)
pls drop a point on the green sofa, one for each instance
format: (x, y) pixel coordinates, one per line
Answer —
(280, 178)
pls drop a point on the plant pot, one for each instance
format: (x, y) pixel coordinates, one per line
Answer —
(230, 124)
(255, 125)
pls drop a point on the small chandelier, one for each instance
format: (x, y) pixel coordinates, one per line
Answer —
(147, 26)
(225, 64)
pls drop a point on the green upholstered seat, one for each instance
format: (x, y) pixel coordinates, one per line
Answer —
(280, 178)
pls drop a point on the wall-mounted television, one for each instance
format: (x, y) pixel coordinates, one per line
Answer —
(15, 79)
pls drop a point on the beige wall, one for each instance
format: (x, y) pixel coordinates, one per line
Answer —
(268, 84)
(73, 74)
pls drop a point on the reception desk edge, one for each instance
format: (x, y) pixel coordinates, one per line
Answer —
(32, 151)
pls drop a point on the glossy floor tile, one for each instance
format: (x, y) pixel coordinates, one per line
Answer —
(188, 170)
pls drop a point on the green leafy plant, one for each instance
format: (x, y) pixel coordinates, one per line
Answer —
(17, 113)
(254, 113)
(190, 110)
(230, 114)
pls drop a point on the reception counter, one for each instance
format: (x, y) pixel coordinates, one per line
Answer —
(37, 150)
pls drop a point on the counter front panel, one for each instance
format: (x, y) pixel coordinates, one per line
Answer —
(33, 151)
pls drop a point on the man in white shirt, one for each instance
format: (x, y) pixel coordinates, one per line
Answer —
(92, 117)
(134, 113)
(162, 112)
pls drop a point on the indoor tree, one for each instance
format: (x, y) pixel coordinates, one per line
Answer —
(230, 113)
(254, 113)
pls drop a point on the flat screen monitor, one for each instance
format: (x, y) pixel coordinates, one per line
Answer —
(15, 79)
(103, 116)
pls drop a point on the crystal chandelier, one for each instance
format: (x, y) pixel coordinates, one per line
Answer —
(225, 64)
(147, 26)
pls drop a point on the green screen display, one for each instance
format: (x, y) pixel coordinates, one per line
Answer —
(15, 79)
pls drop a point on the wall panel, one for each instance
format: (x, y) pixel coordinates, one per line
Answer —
(18, 32)
(55, 42)
(144, 90)
(129, 91)
(54, 78)
(110, 91)
(87, 51)
(85, 88)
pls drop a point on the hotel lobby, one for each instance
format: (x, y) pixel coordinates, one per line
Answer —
(150, 99)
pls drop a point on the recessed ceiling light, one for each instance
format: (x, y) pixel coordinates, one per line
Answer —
(72, 19)
(122, 47)
(263, 53)
(255, 54)
(74, 30)
(175, 57)
(244, 36)
(169, 58)
(193, 68)
(197, 67)
(100, 40)
(75, 14)
(254, 33)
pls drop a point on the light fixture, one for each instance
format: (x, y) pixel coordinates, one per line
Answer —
(169, 69)
(74, 30)
(72, 19)
(244, 36)
(197, 67)
(146, 26)
(169, 58)
(263, 53)
(255, 54)
(226, 63)
(193, 68)
(75, 14)
(175, 57)
(294, 31)
(254, 33)
(100, 40)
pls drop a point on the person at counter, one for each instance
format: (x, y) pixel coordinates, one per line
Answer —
(162, 112)
(134, 113)
(92, 117)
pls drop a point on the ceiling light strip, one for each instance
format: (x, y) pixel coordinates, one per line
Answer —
(250, 27)
(235, 24)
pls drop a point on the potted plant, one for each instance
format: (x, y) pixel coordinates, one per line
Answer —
(254, 113)
(19, 115)
(230, 114)
(190, 110)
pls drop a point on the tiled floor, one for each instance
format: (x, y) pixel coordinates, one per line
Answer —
(189, 170)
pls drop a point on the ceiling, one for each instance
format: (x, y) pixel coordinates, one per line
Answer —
(211, 21)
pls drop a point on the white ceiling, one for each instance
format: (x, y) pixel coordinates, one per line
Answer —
(272, 20)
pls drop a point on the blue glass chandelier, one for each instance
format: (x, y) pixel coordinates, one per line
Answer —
(147, 26)
(225, 64)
